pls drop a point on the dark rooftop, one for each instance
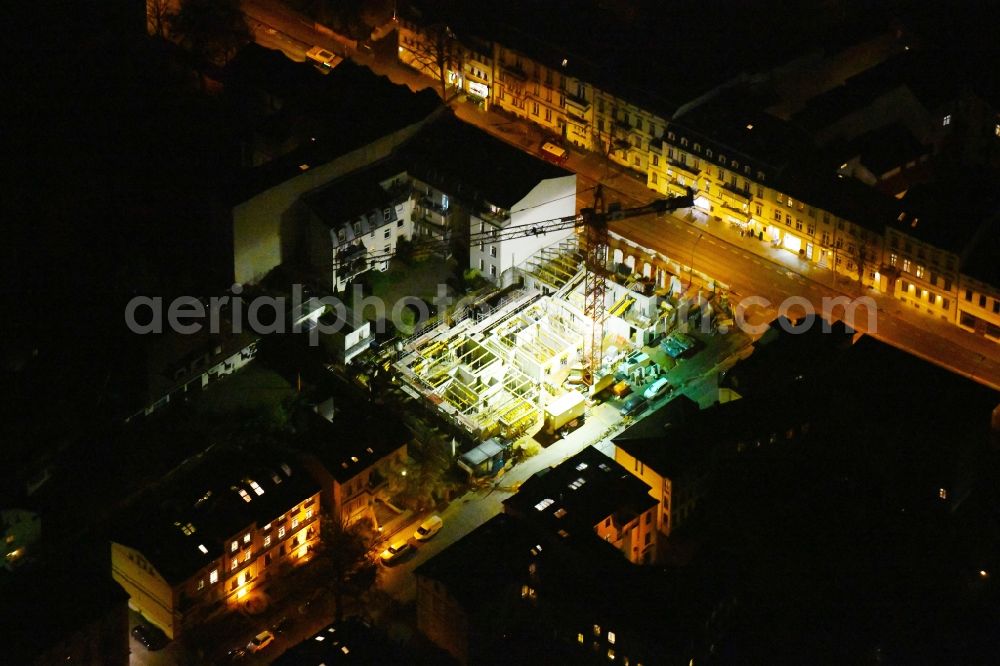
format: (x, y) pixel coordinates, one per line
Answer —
(780, 358)
(352, 641)
(710, 43)
(359, 435)
(815, 183)
(934, 77)
(44, 605)
(734, 121)
(185, 524)
(270, 71)
(351, 196)
(886, 148)
(484, 562)
(341, 120)
(951, 214)
(473, 166)
(579, 493)
(983, 259)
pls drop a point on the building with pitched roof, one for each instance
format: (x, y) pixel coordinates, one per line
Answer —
(512, 591)
(213, 534)
(352, 453)
(591, 493)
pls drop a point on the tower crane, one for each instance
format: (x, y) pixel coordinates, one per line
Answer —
(594, 223)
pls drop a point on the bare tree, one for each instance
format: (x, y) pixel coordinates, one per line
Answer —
(435, 52)
(158, 14)
(343, 556)
(863, 255)
(213, 30)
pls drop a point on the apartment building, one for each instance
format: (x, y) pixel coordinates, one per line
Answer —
(591, 492)
(979, 300)
(514, 588)
(353, 451)
(356, 221)
(796, 185)
(676, 470)
(214, 535)
(496, 200)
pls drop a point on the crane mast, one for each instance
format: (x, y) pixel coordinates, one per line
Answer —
(596, 242)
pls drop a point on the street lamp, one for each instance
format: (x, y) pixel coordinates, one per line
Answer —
(691, 265)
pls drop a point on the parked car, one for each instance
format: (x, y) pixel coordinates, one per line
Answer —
(678, 344)
(658, 389)
(395, 552)
(634, 404)
(150, 636)
(553, 153)
(260, 641)
(322, 59)
(429, 528)
(235, 654)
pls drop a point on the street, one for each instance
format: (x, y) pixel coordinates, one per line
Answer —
(750, 267)
(695, 377)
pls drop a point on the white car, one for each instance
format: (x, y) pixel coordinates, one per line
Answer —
(395, 552)
(657, 389)
(260, 641)
(428, 528)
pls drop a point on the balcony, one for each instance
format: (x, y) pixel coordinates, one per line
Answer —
(514, 70)
(576, 104)
(690, 170)
(737, 193)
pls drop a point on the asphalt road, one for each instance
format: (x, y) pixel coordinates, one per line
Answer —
(749, 267)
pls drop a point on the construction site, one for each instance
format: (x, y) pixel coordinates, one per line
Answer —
(520, 364)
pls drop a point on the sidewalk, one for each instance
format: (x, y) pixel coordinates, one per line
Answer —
(933, 340)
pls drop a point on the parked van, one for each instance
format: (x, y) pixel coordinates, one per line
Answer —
(429, 528)
(554, 153)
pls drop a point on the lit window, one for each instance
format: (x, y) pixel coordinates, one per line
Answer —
(245, 495)
(246, 538)
(582, 466)
(267, 541)
(611, 654)
(560, 512)
(236, 563)
(579, 638)
(256, 488)
(267, 527)
(920, 271)
(201, 583)
(213, 577)
(246, 556)
(946, 120)
(943, 493)
(202, 548)
(295, 523)
(578, 483)
(611, 637)
(234, 546)
(281, 532)
(597, 630)
(544, 504)
(309, 514)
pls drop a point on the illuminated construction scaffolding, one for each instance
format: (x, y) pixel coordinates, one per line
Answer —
(492, 376)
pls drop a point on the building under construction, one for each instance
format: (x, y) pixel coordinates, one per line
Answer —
(492, 375)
